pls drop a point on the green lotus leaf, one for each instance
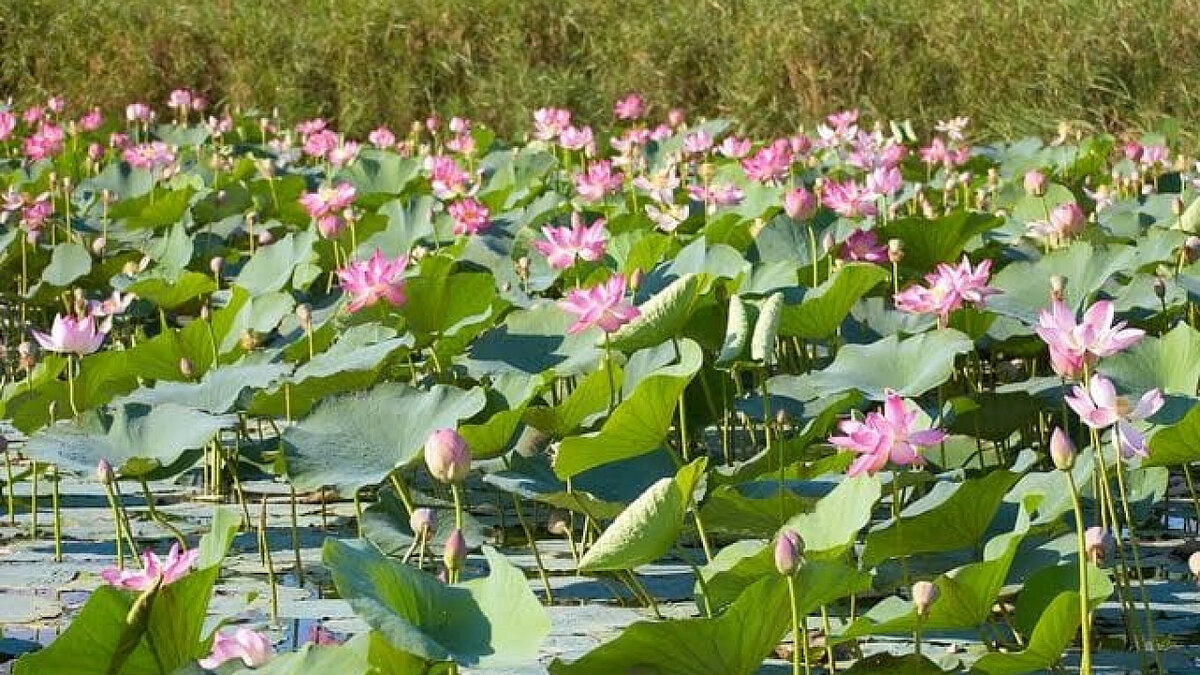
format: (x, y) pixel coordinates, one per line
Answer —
(1170, 362)
(273, 266)
(662, 316)
(534, 341)
(1085, 268)
(766, 328)
(639, 424)
(68, 262)
(910, 367)
(357, 439)
(823, 309)
(492, 621)
(928, 242)
(648, 528)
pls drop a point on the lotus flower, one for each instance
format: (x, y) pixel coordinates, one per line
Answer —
(949, 287)
(369, 281)
(889, 435)
(72, 335)
(601, 305)
(548, 123)
(177, 564)
(848, 199)
(447, 456)
(789, 548)
(470, 217)
(799, 204)
(563, 245)
(252, 647)
(629, 108)
(862, 245)
(382, 138)
(597, 181)
(1099, 407)
(1074, 345)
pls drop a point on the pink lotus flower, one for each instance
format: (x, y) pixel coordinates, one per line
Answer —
(848, 199)
(56, 104)
(252, 647)
(1076, 345)
(320, 143)
(91, 120)
(369, 281)
(139, 112)
(470, 217)
(328, 200)
(1154, 154)
(177, 564)
(459, 125)
(864, 246)
(343, 154)
(179, 98)
(576, 139)
(601, 305)
(734, 147)
(8, 122)
(463, 143)
(46, 142)
(953, 128)
(382, 138)
(1099, 407)
(669, 217)
(889, 435)
(563, 245)
(717, 194)
(676, 117)
(949, 287)
(154, 155)
(884, 181)
(697, 143)
(321, 636)
(769, 163)
(799, 204)
(548, 123)
(661, 185)
(629, 108)
(310, 127)
(597, 181)
(1066, 220)
(445, 177)
(33, 114)
(72, 335)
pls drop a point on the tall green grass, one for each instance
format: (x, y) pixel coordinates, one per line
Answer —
(1013, 65)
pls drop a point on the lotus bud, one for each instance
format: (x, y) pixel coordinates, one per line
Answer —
(558, 523)
(993, 177)
(895, 251)
(522, 266)
(799, 204)
(98, 245)
(635, 279)
(1062, 450)
(215, 265)
(781, 418)
(455, 551)
(676, 117)
(924, 594)
(422, 522)
(186, 368)
(447, 456)
(1194, 565)
(1035, 183)
(432, 123)
(205, 313)
(265, 237)
(105, 473)
(304, 315)
(789, 548)
(1058, 286)
(1067, 218)
(1097, 542)
(1160, 287)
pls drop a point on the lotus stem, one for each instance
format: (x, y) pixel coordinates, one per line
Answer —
(799, 634)
(119, 503)
(295, 532)
(1187, 475)
(1085, 614)
(33, 504)
(71, 385)
(116, 514)
(608, 370)
(1137, 556)
(533, 548)
(830, 653)
(54, 501)
(9, 488)
(159, 517)
(266, 548)
(456, 490)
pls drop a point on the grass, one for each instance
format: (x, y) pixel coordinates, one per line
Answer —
(1013, 65)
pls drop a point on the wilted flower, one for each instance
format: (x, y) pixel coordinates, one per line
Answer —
(601, 305)
(177, 564)
(252, 647)
(890, 435)
(789, 548)
(72, 335)
(447, 456)
(368, 281)
(564, 244)
(1099, 407)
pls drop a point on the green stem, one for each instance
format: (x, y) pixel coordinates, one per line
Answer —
(33, 504)
(456, 490)
(896, 504)
(830, 654)
(1085, 615)
(296, 534)
(799, 635)
(1137, 556)
(116, 514)
(1187, 475)
(54, 479)
(9, 488)
(537, 556)
(270, 564)
(158, 517)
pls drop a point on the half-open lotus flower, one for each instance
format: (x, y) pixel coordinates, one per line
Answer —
(252, 647)
(72, 335)
(177, 564)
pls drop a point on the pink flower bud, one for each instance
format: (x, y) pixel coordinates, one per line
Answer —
(799, 204)
(105, 473)
(1194, 565)
(1062, 450)
(422, 522)
(789, 548)
(447, 456)
(1035, 183)
(455, 551)
(924, 594)
(1097, 543)
(1067, 218)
